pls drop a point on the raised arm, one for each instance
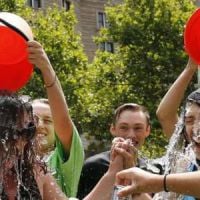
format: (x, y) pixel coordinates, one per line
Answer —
(168, 107)
(59, 109)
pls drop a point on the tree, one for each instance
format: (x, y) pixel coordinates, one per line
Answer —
(54, 28)
(149, 38)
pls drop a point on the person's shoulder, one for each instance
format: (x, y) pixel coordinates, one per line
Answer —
(98, 158)
(96, 165)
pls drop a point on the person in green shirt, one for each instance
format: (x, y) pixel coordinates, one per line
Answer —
(62, 151)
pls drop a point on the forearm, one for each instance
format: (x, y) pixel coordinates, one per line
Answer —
(168, 107)
(59, 109)
(184, 183)
(103, 189)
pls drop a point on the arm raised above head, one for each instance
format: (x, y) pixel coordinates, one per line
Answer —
(167, 111)
(59, 109)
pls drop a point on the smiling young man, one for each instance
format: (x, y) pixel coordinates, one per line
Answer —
(130, 121)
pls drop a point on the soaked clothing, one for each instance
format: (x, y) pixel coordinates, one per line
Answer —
(94, 168)
(66, 168)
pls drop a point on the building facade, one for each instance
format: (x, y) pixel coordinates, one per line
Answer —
(91, 17)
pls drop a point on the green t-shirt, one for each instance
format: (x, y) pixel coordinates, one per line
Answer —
(65, 167)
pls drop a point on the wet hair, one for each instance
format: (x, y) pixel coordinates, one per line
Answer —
(194, 97)
(130, 107)
(12, 118)
(16, 123)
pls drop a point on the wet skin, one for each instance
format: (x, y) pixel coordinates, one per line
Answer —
(192, 116)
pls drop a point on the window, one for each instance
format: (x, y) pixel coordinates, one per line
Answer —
(101, 20)
(66, 4)
(35, 3)
(107, 46)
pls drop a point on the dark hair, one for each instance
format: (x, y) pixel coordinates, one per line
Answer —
(132, 107)
(16, 121)
(194, 97)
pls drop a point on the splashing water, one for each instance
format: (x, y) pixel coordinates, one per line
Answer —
(12, 165)
(178, 159)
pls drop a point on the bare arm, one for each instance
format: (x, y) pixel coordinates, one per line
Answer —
(168, 107)
(58, 105)
(143, 196)
(142, 181)
(51, 190)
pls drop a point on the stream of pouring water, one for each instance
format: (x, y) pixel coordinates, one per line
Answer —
(178, 158)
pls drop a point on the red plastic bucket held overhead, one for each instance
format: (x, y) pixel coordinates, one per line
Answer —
(15, 69)
(192, 36)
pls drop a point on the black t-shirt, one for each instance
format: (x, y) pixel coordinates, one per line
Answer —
(95, 167)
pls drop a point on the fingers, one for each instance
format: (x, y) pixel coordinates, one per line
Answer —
(129, 159)
(37, 55)
(125, 191)
(34, 48)
(33, 43)
(117, 139)
(124, 148)
(122, 176)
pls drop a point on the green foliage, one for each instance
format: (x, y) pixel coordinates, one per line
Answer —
(148, 58)
(11, 5)
(54, 28)
(149, 34)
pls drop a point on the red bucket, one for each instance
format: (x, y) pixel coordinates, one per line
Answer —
(15, 69)
(192, 36)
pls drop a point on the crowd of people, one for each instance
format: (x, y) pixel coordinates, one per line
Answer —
(42, 156)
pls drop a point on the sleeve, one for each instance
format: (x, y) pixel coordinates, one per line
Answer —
(66, 167)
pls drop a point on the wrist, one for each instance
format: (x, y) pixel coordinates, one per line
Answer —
(155, 183)
(165, 188)
(192, 67)
(52, 83)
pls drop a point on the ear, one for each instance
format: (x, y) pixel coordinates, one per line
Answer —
(148, 131)
(112, 129)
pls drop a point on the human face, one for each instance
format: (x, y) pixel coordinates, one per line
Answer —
(191, 116)
(45, 129)
(131, 125)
